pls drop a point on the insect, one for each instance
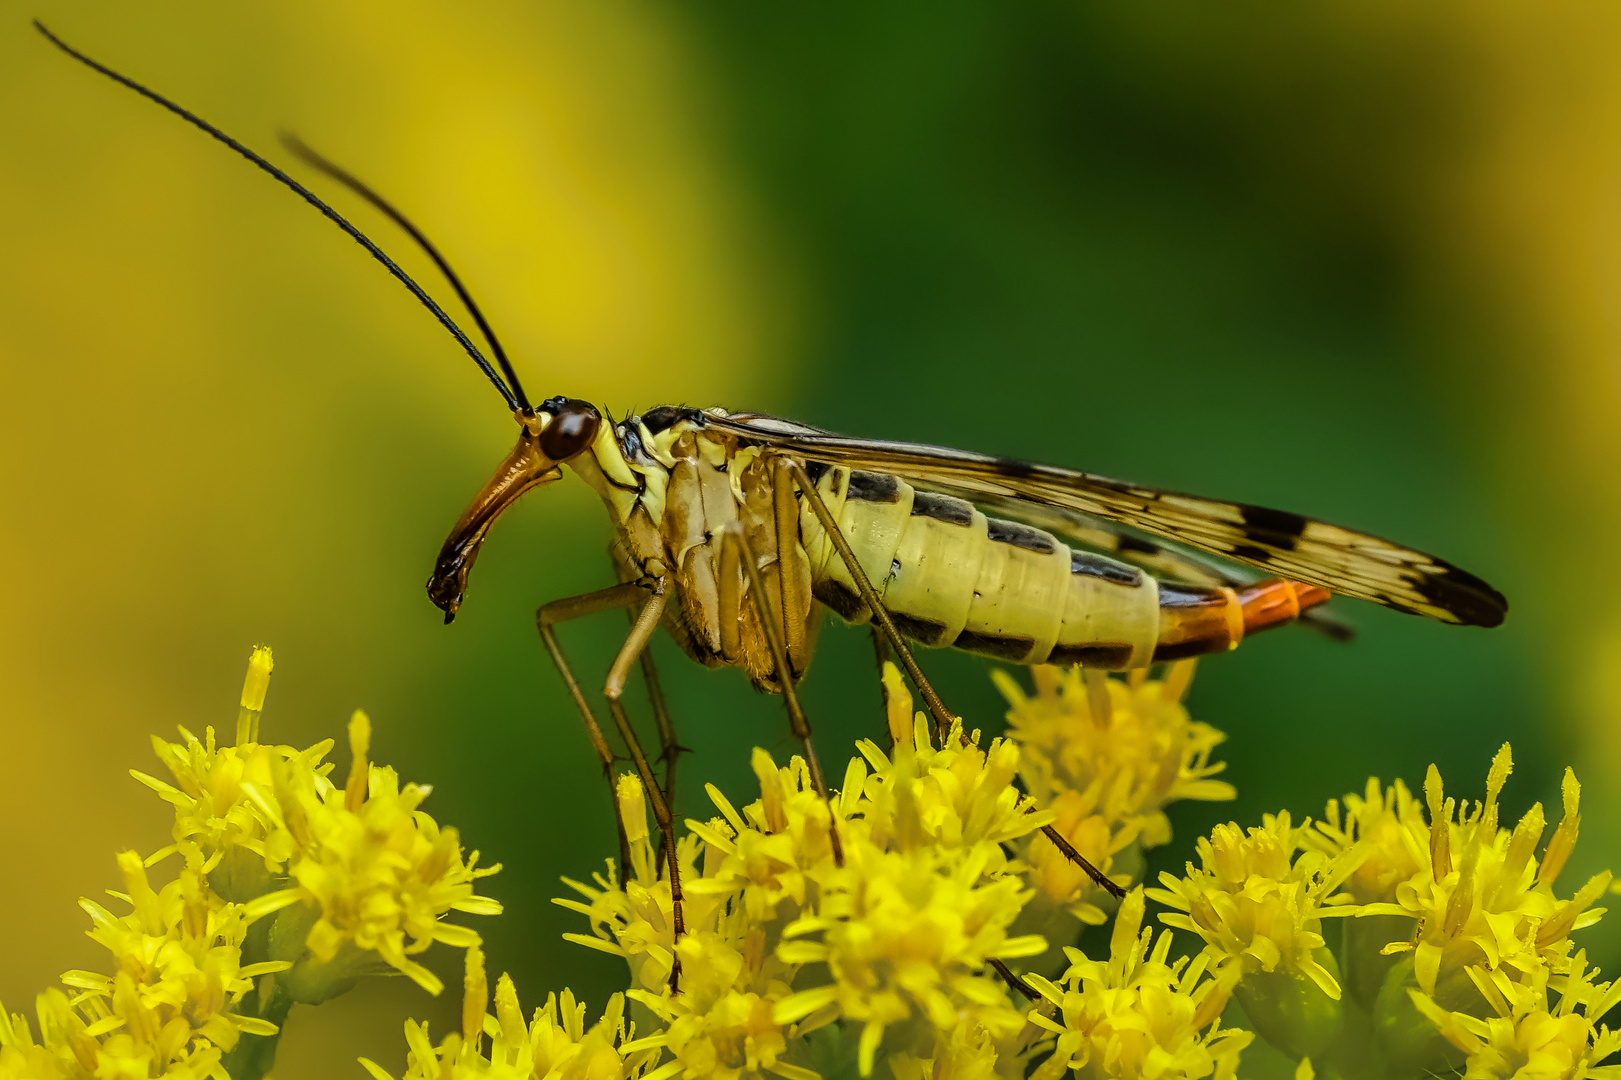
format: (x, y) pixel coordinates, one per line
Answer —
(734, 531)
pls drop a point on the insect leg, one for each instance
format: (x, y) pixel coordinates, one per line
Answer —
(575, 607)
(669, 749)
(621, 596)
(785, 510)
(869, 596)
(635, 646)
(736, 550)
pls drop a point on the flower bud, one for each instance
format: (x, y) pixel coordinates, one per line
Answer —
(1291, 1011)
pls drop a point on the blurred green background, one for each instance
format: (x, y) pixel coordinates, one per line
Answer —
(1358, 261)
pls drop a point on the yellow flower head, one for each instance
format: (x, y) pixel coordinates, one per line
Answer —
(1526, 1037)
(924, 900)
(909, 936)
(221, 797)
(635, 919)
(900, 933)
(1127, 746)
(722, 1024)
(1258, 901)
(1389, 825)
(373, 874)
(364, 875)
(1479, 895)
(1135, 1015)
(956, 798)
(555, 1044)
(169, 1005)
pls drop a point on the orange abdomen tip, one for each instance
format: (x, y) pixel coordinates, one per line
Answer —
(1272, 603)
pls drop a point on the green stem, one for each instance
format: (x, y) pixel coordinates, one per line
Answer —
(254, 1055)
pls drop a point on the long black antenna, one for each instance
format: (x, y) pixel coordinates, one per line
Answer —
(361, 188)
(308, 196)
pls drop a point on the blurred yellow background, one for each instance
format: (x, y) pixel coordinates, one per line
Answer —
(1358, 261)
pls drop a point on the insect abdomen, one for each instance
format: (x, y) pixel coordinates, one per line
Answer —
(951, 577)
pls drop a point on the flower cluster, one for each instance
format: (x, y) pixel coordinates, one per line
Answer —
(1137, 1015)
(880, 928)
(1453, 935)
(290, 888)
(555, 1043)
(912, 923)
(1105, 756)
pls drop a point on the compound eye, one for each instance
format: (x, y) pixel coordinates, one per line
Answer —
(571, 430)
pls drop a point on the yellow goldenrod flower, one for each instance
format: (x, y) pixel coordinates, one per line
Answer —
(1105, 756)
(219, 796)
(370, 873)
(1129, 743)
(907, 937)
(900, 935)
(554, 1045)
(635, 919)
(371, 876)
(1258, 902)
(254, 688)
(1481, 897)
(1525, 1038)
(169, 1008)
(1135, 1016)
(965, 1052)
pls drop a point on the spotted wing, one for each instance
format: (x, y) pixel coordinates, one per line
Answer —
(1277, 542)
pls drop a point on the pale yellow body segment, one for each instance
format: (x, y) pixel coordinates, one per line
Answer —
(950, 576)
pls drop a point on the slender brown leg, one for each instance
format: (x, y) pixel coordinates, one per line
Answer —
(785, 511)
(869, 596)
(736, 551)
(1014, 982)
(669, 749)
(646, 623)
(942, 717)
(575, 607)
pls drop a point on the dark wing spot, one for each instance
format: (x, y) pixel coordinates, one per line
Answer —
(1141, 547)
(1249, 551)
(942, 508)
(1023, 536)
(1466, 596)
(874, 487)
(1276, 527)
(1084, 562)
